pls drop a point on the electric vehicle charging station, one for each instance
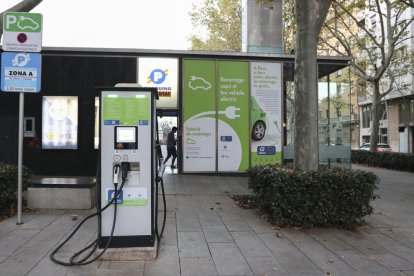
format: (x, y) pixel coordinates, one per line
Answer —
(130, 169)
(128, 154)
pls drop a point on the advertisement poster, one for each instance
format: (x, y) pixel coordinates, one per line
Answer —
(233, 116)
(163, 74)
(266, 113)
(60, 122)
(199, 116)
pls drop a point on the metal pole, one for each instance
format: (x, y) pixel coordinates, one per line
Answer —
(20, 160)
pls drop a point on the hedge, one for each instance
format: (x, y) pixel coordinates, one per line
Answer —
(8, 184)
(388, 160)
(326, 197)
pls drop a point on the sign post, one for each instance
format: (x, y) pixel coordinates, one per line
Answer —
(20, 160)
(20, 72)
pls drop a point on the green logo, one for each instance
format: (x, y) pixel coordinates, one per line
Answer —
(22, 22)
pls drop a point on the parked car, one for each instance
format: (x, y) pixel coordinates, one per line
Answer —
(381, 147)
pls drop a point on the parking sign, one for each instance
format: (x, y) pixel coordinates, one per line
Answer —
(20, 72)
(22, 32)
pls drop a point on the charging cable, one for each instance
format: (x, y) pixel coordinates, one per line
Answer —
(159, 181)
(124, 168)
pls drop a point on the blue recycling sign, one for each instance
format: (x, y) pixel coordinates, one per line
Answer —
(21, 72)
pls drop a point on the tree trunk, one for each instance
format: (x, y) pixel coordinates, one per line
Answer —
(376, 116)
(23, 6)
(306, 80)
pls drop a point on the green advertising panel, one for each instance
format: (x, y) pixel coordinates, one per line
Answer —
(127, 111)
(266, 113)
(233, 116)
(199, 113)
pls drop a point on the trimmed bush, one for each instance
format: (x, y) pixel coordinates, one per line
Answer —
(388, 160)
(8, 184)
(327, 197)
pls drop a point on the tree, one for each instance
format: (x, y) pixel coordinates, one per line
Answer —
(23, 6)
(310, 15)
(220, 23)
(408, 2)
(309, 18)
(376, 49)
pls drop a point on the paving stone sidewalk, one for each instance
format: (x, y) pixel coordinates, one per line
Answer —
(206, 234)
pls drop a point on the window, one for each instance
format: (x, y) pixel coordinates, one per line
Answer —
(383, 137)
(384, 112)
(366, 116)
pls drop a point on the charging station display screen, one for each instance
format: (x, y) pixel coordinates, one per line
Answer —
(126, 137)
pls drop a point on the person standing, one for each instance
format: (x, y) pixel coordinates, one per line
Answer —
(171, 150)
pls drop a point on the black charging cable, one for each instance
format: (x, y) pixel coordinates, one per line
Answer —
(159, 236)
(95, 243)
(159, 181)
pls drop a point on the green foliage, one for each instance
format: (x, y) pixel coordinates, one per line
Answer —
(388, 160)
(220, 26)
(326, 197)
(220, 23)
(8, 184)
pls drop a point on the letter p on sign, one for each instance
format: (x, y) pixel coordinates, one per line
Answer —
(157, 76)
(10, 20)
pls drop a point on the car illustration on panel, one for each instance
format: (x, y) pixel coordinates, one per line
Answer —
(258, 119)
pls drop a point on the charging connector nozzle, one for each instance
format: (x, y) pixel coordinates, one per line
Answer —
(117, 169)
(125, 168)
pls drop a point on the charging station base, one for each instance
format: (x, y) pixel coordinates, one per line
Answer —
(130, 253)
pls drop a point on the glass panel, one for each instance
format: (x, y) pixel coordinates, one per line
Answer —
(290, 112)
(323, 109)
(334, 112)
(334, 120)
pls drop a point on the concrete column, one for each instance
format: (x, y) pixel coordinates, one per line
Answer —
(262, 27)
